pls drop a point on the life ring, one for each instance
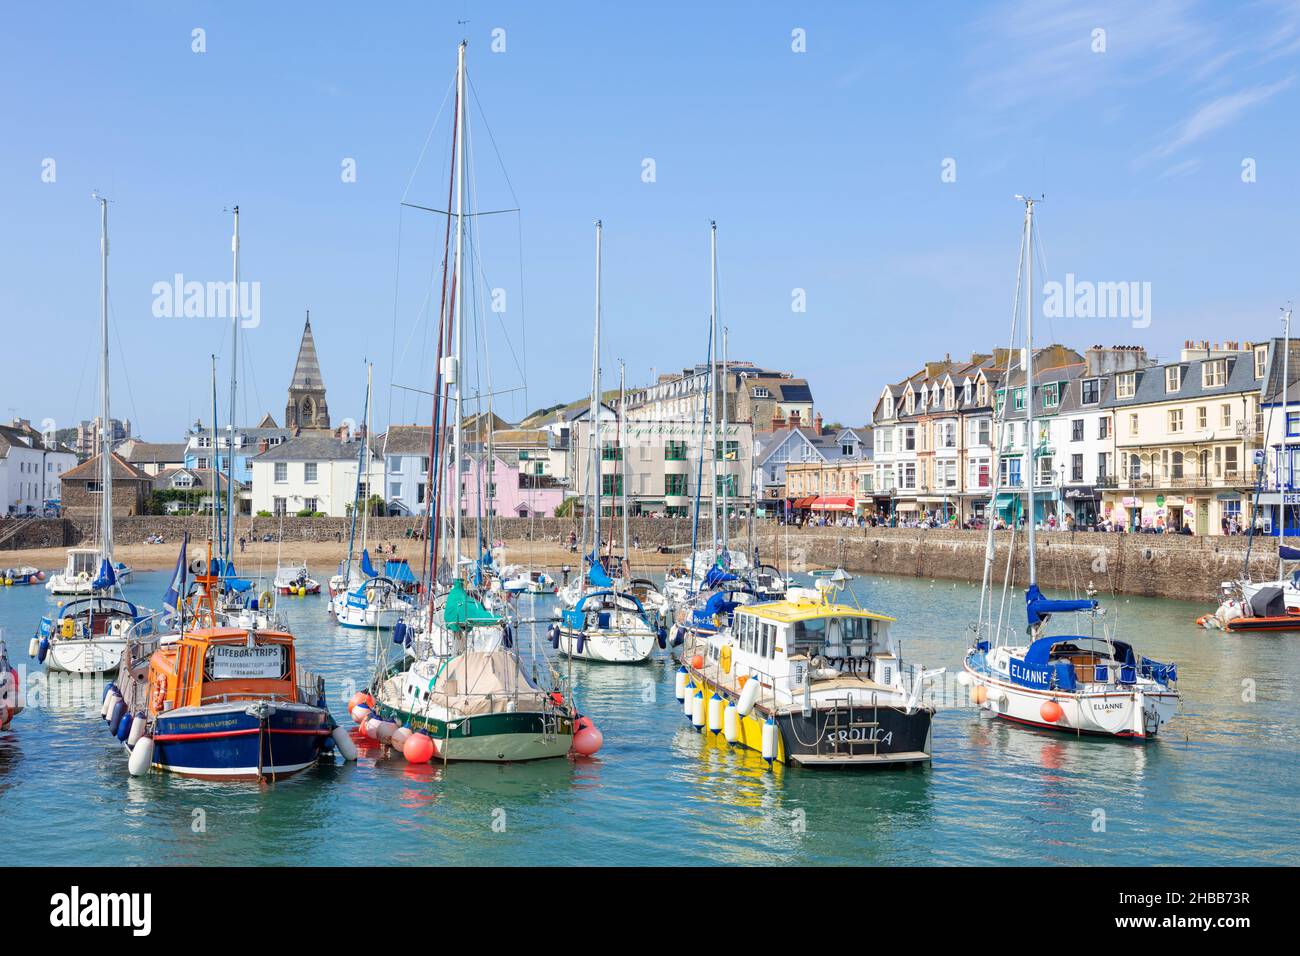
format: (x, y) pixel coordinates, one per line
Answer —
(159, 693)
(266, 600)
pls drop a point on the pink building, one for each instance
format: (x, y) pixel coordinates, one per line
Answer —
(506, 491)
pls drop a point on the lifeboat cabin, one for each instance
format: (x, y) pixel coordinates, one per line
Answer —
(225, 703)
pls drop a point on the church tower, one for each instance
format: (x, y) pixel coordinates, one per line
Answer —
(306, 408)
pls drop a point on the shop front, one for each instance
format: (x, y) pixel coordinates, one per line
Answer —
(1083, 503)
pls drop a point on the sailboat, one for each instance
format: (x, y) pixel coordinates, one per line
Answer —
(365, 599)
(1083, 683)
(87, 635)
(459, 690)
(606, 623)
(1271, 605)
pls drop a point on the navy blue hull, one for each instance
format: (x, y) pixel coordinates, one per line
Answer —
(224, 742)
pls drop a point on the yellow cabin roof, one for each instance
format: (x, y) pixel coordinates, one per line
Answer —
(806, 610)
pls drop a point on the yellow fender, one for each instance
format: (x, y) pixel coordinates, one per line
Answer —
(725, 659)
(266, 600)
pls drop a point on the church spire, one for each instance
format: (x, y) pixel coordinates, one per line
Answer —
(306, 407)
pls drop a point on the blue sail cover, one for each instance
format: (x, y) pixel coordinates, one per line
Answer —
(106, 577)
(1288, 553)
(719, 603)
(366, 567)
(399, 571)
(716, 576)
(597, 576)
(1038, 606)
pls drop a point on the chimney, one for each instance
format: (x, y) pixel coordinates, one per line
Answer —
(817, 423)
(263, 445)
(794, 419)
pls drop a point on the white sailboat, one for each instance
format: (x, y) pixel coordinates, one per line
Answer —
(605, 623)
(88, 634)
(1083, 683)
(366, 601)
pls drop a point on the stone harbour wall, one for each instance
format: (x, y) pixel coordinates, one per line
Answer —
(1154, 565)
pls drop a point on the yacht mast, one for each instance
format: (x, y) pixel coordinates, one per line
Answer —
(105, 421)
(1030, 438)
(1285, 461)
(595, 450)
(622, 462)
(726, 468)
(458, 313)
(234, 381)
(713, 368)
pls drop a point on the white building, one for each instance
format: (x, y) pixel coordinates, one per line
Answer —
(316, 473)
(30, 467)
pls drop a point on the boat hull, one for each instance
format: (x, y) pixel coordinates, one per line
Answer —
(491, 738)
(226, 742)
(85, 656)
(1135, 714)
(842, 738)
(607, 647)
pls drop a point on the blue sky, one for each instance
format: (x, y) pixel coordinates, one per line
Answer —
(823, 169)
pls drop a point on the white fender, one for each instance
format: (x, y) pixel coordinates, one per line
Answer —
(715, 714)
(697, 710)
(109, 703)
(33, 647)
(137, 731)
(769, 740)
(688, 698)
(346, 748)
(386, 730)
(141, 758)
(731, 723)
(679, 684)
(748, 697)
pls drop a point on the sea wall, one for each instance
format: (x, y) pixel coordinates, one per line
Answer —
(1174, 566)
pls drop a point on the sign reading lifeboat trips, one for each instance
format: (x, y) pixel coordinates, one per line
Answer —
(241, 662)
(1030, 675)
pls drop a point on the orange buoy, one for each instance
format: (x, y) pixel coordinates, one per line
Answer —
(588, 740)
(979, 695)
(743, 678)
(698, 662)
(418, 748)
(357, 698)
(1051, 712)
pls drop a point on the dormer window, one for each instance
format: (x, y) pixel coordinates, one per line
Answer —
(1051, 395)
(1261, 360)
(760, 391)
(1214, 374)
(1125, 384)
(1173, 378)
(1089, 391)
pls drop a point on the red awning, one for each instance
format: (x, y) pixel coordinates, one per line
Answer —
(803, 502)
(832, 503)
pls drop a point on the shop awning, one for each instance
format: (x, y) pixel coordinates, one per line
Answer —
(834, 503)
(1084, 491)
(905, 506)
(1004, 500)
(804, 502)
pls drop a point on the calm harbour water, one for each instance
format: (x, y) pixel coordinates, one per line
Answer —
(1219, 789)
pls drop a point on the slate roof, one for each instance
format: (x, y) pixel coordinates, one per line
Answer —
(1150, 386)
(317, 448)
(155, 453)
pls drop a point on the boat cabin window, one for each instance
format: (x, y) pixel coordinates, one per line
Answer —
(755, 635)
(833, 637)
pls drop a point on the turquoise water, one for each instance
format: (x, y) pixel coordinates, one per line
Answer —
(1219, 789)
